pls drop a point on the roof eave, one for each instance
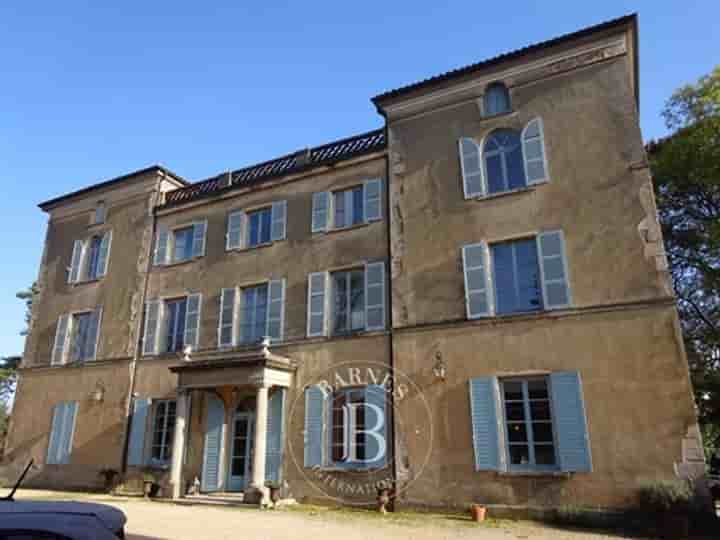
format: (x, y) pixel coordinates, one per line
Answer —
(52, 203)
(398, 94)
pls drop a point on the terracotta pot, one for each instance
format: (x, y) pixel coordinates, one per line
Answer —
(478, 512)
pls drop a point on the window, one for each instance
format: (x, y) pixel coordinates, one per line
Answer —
(348, 206)
(257, 227)
(175, 312)
(180, 244)
(249, 314)
(183, 244)
(348, 301)
(172, 324)
(528, 423)
(496, 99)
(76, 337)
(89, 259)
(524, 275)
(503, 161)
(100, 213)
(62, 430)
(163, 431)
(517, 276)
(83, 337)
(259, 223)
(347, 427)
(254, 314)
(507, 160)
(344, 449)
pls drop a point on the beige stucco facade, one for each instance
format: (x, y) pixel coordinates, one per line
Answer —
(620, 331)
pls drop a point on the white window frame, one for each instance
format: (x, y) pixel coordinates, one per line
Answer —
(529, 440)
(491, 291)
(151, 432)
(239, 321)
(84, 260)
(246, 232)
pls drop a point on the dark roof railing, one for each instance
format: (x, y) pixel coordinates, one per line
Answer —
(326, 154)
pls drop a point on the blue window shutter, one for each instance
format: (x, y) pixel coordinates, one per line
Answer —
(372, 191)
(161, 247)
(276, 309)
(136, 446)
(214, 421)
(317, 300)
(198, 242)
(192, 320)
(471, 168)
(376, 421)
(76, 261)
(55, 434)
(279, 218)
(104, 254)
(314, 426)
(478, 298)
(320, 211)
(375, 296)
(59, 351)
(535, 159)
(68, 431)
(485, 417)
(570, 422)
(554, 270)
(275, 428)
(234, 234)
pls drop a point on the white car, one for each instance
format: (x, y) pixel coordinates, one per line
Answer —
(30, 520)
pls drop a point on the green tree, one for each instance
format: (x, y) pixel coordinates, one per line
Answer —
(27, 296)
(686, 170)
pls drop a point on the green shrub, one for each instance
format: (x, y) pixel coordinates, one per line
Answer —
(665, 496)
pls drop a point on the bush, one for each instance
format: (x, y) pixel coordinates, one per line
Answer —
(665, 496)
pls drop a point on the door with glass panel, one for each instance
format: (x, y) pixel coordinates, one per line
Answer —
(240, 451)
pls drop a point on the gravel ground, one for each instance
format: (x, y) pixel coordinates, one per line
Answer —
(165, 521)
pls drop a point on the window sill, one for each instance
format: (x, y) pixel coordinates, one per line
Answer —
(252, 248)
(332, 230)
(178, 263)
(535, 474)
(504, 114)
(492, 196)
(86, 282)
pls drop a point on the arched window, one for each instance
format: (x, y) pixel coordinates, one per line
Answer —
(503, 161)
(496, 99)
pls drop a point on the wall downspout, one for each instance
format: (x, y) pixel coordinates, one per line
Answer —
(141, 315)
(391, 426)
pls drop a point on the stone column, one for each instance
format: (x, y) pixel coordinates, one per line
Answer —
(178, 451)
(258, 491)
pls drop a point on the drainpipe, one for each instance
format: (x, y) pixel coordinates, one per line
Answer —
(138, 341)
(391, 426)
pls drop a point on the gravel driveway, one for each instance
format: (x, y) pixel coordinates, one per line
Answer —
(166, 521)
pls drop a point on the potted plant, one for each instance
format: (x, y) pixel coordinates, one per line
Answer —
(478, 512)
(668, 504)
(383, 498)
(274, 491)
(150, 485)
(109, 476)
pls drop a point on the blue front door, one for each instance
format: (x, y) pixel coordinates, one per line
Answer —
(241, 451)
(214, 421)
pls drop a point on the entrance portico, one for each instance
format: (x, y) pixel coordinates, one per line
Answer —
(245, 401)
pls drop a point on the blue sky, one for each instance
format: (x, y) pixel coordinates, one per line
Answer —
(90, 90)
